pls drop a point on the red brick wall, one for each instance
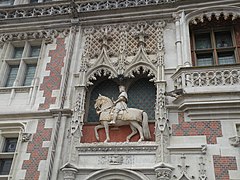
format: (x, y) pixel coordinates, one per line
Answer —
(221, 166)
(37, 152)
(53, 81)
(116, 134)
(211, 129)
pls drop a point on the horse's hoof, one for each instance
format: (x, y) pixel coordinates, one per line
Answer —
(106, 141)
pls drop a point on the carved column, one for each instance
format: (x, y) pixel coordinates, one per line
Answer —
(178, 42)
(162, 169)
(78, 111)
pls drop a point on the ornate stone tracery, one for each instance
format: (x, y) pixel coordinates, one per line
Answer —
(121, 49)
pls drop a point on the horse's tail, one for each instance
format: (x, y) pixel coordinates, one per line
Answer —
(146, 131)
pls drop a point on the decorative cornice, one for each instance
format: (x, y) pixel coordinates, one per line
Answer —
(75, 8)
(48, 35)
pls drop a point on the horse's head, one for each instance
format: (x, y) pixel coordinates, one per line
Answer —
(101, 101)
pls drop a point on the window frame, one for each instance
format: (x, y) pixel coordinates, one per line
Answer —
(214, 50)
(10, 130)
(26, 60)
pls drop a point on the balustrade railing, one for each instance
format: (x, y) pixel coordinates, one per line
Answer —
(227, 75)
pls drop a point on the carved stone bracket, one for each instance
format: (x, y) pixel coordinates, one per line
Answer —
(26, 137)
(235, 141)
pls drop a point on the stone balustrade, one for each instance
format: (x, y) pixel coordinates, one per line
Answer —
(214, 76)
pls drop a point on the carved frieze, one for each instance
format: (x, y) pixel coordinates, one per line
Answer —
(74, 9)
(147, 147)
(116, 159)
(48, 35)
(226, 14)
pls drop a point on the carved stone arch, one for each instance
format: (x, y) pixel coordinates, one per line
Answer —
(116, 174)
(101, 70)
(135, 68)
(208, 12)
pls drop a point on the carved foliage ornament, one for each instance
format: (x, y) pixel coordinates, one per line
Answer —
(48, 35)
(217, 14)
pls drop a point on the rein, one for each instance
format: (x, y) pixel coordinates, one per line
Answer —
(106, 109)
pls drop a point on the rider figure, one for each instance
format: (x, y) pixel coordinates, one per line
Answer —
(120, 103)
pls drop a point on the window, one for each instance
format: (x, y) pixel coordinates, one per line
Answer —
(215, 41)
(39, 1)
(214, 47)
(6, 2)
(238, 129)
(20, 64)
(10, 134)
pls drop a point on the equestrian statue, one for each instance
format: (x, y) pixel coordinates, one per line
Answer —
(116, 113)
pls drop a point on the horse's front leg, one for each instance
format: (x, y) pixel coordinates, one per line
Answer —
(105, 123)
(100, 126)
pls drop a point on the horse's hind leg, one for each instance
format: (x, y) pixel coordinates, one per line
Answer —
(140, 130)
(105, 123)
(134, 131)
(100, 126)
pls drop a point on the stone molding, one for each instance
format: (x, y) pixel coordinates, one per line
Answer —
(75, 8)
(133, 147)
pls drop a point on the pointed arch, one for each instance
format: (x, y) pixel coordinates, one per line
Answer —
(101, 70)
(116, 174)
(141, 60)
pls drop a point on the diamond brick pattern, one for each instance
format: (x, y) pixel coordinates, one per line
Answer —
(53, 81)
(36, 150)
(222, 164)
(212, 129)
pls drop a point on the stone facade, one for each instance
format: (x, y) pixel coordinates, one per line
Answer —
(180, 55)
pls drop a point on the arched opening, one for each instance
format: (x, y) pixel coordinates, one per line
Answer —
(116, 174)
(215, 39)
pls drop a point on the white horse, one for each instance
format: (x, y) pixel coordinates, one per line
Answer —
(136, 118)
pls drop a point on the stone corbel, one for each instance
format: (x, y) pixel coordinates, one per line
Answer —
(163, 171)
(235, 141)
(26, 137)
